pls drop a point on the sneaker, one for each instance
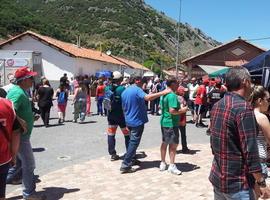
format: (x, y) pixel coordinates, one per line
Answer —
(74, 121)
(115, 157)
(203, 125)
(35, 197)
(59, 121)
(125, 170)
(173, 169)
(162, 166)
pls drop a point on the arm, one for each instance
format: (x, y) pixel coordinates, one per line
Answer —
(150, 97)
(265, 126)
(182, 110)
(247, 129)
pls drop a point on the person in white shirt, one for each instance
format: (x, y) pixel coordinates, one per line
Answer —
(192, 87)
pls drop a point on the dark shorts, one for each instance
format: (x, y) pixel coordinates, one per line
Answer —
(199, 109)
(120, 121)
(170, 135)
(191, 105)
(3, 176)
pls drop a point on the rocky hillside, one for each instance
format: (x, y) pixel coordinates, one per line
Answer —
(128, 28)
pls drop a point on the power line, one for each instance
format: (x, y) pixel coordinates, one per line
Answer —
(256, 39)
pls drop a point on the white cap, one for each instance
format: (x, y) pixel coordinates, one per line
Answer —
(156, 79)
(117, 75)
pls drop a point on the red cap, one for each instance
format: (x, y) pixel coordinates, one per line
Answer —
(205, 81)
(212, 83)
(23, 73)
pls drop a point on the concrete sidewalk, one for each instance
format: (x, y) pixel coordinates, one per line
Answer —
(100, 179)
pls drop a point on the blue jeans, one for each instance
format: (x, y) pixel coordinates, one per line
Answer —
(15, 172)
(241, 195)
(26, 156)
(135, 134)
(99, 105)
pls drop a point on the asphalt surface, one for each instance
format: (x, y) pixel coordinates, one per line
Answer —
(59, 146)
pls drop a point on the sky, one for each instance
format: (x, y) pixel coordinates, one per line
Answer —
(223, 20)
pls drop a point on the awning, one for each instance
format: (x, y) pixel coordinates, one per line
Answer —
(209, 69)
(219, 72)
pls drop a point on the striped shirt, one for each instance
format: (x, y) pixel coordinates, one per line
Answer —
(234, 146)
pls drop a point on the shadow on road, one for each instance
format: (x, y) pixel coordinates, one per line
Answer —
(190, 152)
(39, 149)
(187, 167)
(52, 193)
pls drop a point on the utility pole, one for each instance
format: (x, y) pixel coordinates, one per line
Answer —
(178, 35)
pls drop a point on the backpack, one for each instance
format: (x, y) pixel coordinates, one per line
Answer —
(109, 98)
(61, 98)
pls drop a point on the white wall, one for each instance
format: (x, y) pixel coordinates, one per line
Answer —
(56, 63)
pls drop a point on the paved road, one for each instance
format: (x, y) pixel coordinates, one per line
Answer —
(60, 146)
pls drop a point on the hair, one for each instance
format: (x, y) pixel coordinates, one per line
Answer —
(3, 93)
(171, 81)
(133, 80)
(258, 92)
(235, 77)
(45, 81)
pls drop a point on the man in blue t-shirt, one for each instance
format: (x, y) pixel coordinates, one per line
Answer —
(135, 111)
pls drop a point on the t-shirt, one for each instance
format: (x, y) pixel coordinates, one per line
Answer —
(117, 109)
(134, 107)
(166, 102)
(7, 117)
(201, 95)
(100, 90)
(22, 106)
(192, 88)
(215, 95)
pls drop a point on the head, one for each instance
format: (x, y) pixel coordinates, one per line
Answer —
(193, 80)
(24, 77)
(100, 82)
(156, 80)
(117, 77)
(172, 83)
(11, 78)
(205, 82)
(45, 82)
(3, 93)
(65, 75)
(238, 80)
(137, 80)
(259, 98)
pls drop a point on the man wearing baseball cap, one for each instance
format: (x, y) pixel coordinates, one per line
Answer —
(22, 105)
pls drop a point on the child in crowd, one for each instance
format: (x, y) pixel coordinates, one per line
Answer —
(62, 99)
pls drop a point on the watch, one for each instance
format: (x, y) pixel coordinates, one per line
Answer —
(261, 182)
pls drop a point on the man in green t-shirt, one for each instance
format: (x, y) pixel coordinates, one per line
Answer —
(169, 121)
(23, 108)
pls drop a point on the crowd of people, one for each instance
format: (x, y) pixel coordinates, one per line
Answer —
(239, 127)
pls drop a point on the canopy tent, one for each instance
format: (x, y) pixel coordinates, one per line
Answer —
(256, 64)
(209, 69)
(219, 73)
(105, 73)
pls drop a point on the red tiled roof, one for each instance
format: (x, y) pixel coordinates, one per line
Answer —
(220, 46)
(76, 51)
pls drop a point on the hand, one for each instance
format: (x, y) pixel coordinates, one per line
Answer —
(13, 161)
(22, 123)
(184, 109)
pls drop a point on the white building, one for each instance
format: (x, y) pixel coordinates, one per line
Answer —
(60, 57)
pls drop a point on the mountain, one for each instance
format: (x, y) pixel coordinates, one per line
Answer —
(128, 28)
